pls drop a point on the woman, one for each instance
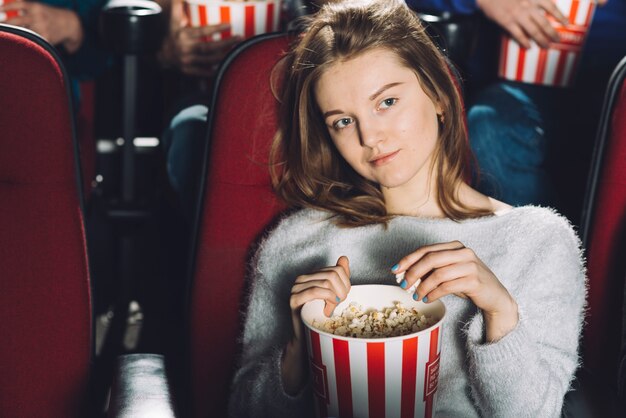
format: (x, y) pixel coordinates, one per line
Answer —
(372, 148)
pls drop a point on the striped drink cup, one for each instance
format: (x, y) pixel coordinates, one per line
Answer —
(6, 16)
(555, 65)
(375, 377)
(247, 18)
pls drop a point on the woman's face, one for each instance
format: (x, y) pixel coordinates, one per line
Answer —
(380, 119)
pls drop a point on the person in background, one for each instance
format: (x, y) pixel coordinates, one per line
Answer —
(190, 63)
(69, 25)
(505, 126)
(194, 62)
(370, 157)
(526, 141)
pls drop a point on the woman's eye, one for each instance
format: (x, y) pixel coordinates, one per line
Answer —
(342, 123)
(387, 103)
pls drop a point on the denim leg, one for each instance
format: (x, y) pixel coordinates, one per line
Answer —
(184, 142)
(508, 139)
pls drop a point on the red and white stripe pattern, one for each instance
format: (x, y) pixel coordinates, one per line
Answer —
(6, 16)
(247, 18)
(556, 65)
(365, 379)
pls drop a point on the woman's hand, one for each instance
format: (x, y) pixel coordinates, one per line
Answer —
(57, 25)
(330, 284)
(451, 268)
(525, 20)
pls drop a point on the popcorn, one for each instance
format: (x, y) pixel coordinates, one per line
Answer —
(388, 322)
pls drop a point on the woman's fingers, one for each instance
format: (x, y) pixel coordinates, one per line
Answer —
(337, 287)
(455, 271)
(342, 269)
(330, 284)
(311, 293)
(439, 281)
(315, 290)
(419, 263)
(455, 286)
(429, 271)
(344, 273)
(412, 258)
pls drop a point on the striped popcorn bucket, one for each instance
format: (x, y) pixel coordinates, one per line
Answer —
(247, 18)
(375, 377)
(555, 65)
(6, 16)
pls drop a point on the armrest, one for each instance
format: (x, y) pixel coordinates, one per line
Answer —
(140, 388)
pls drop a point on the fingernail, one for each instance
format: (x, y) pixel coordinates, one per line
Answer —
(414, 296)
(337, 299)
(425, 300)
(413, 288)
(403, 284)
(396, 267)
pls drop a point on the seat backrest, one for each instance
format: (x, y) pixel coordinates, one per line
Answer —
(237, 204)
(603, 232)
(45, 309)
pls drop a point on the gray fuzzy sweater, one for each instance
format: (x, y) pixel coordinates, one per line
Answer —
(533, 251)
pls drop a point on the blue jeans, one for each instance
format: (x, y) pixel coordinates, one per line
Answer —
(508, 137)
(184, 142)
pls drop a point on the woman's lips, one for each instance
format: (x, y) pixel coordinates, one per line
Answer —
(384, 159)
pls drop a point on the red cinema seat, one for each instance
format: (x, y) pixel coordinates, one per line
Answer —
(45, 309)
(237, 204)
(603, 231)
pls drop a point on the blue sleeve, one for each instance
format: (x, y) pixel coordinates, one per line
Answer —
(453, 6)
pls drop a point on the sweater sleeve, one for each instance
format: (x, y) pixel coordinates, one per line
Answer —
(257, 389)
(528, 372)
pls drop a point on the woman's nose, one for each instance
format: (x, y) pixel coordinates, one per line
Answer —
(370, 133)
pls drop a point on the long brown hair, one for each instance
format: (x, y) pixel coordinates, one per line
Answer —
(307, 170)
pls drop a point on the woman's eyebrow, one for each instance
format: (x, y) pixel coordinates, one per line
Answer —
(332, 112)
(372, 97)
(383, 88)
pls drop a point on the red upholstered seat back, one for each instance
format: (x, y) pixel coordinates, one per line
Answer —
(45, 312)
(604, 234)
(238, 204)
